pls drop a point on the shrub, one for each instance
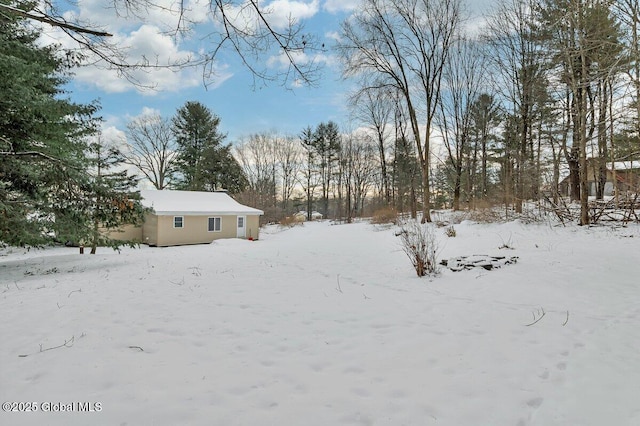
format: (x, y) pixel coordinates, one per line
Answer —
(290, 221)
(450, 231)
(420, 244)
(385, 215)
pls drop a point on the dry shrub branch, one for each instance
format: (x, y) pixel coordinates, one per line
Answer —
(420, 244)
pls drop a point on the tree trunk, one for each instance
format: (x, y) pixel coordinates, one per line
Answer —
(601, 178)
(582, 135)
(456, 188)
(413, 202)
(383, 169)
(555, 184)
(573, 161)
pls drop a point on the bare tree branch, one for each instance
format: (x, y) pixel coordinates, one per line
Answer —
(243, 27)
(54, 22)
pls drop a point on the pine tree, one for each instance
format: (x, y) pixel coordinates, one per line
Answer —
(326, 146)
(309, 181)
(112, 200)
(222, 171)
(203, 162)
(42, 136)
(55, 186)
(102, 200)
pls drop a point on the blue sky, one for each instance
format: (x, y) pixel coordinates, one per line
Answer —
(243, 108)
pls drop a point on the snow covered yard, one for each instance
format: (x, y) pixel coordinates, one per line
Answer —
(328, 325)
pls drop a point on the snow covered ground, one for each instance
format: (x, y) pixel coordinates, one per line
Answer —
(327, 325)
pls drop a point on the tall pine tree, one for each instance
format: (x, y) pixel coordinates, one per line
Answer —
(42, 136)
(204, 163)
(326, 145)
(111, 200)
(49, 191)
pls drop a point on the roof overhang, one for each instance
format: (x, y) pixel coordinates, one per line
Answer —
(208, 213)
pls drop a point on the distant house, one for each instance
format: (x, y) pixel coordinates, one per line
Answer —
(626, 174)
(301, 216)
(192, 217)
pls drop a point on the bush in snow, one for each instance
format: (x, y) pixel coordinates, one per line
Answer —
(384, 215)
(420, 244)
(290, 222)
(450, 231)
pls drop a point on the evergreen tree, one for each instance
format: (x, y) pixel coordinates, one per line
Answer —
(485, 118)
(203, 161)
(406, 174)
(104, 200)
(309, 181)
(48, 189)
(583, 40)
(326, 145)
(222, 170)
(112, 200)
(42, 136)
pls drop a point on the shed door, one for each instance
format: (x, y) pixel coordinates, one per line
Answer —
(242, 226)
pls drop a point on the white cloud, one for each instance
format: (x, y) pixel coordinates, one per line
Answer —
(111, 135)
(144, 113)
(332, 35)
(147, 43)
(280, 12)
(282, 60)
(148, 112)
(164, 14)
(337, 6)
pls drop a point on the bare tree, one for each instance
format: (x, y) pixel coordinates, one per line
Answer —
(364, 171)
(516, 67)
(358, 169)
(257, 156)
(628, 12)
(404, 45)
(288, 157)
(462, 77)
(375, 107)
(152, 149)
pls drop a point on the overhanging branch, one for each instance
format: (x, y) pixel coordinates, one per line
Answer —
(56, 23)
(28, 154)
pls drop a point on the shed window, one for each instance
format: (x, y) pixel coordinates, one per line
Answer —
(178, 221)
(215, 224)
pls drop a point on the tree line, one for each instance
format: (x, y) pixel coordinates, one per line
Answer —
(452, 118)
(496, 115)
(321, 169)
(466, 119)
(185, 152)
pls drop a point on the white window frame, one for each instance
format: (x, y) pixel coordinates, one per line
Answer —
(181, 222)
(219, 220)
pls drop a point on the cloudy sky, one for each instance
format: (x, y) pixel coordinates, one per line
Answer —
(244, 107)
